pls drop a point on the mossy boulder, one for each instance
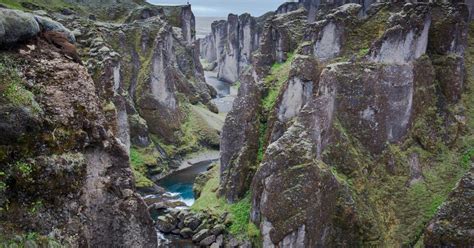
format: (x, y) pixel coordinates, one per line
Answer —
(16, 26)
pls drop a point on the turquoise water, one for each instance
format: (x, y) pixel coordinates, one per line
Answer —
(181, 182)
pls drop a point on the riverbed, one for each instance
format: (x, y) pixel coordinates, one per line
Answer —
(226, 92)
(179, 184)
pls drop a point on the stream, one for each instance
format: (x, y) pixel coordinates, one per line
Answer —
(226, 93)
(178, 185)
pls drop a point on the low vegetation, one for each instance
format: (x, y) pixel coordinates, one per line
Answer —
(239, 224)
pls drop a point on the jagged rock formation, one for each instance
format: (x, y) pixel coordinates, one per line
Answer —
(63, 171)
(361, 133)
(231, 45)
(240, 146)
(148, 68)
(229, 49)
(145, 74)
(453, 224)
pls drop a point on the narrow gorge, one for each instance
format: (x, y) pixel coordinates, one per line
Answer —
(320, 123)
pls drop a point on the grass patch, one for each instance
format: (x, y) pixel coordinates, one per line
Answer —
(274, 81)
(141, 159)
(53, 5)
(239, 213)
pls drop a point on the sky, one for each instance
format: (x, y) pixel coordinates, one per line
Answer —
(221, 8)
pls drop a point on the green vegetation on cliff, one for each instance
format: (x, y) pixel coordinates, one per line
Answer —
(11, 86)
(240, 225)
(141, 159)
(52, 5)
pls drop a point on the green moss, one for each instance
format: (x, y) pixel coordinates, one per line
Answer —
(274, 81)
(24, 168)
(140, 160)
(11, 86)
(363, 33)
(261, 140)
(31, 239)
(54, 5)
(239, 212)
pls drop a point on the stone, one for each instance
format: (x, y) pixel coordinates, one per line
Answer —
(47, 24)
(219, 242)
(104, 49)
(218, 229)
(166, 223)
(208, 241)
(453, 224)
(192, 222)
(200, 235)
(16, 26)
(186, 233)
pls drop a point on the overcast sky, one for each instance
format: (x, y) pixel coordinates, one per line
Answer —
(221, 8)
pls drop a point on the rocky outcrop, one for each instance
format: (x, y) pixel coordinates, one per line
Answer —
(332, 137)
(453, 224)
(281, 36)
(302, 85)
(232, 43)
(65, 175)
(325, 38)
(239, 144)
(148, 68)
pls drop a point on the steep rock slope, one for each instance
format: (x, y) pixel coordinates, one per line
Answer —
(227, 47)
(64, 172)
(147, 66)
(362, 133)
(231, 44)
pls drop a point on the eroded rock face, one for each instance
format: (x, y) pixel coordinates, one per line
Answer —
(453, 224)
(239, 144)
(376, 98)
(81, 175)
(327, 36)
(331, 133)
(302, 85)
(231, 44)
(281, 36)
(406, 38)
(296, 199)
(235, 40)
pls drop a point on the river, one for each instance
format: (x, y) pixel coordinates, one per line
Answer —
(179, 184)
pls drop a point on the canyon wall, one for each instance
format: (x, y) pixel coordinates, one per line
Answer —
(65, 175)
(362, 128)
(231, 45)
(229, 49)
(87, 126)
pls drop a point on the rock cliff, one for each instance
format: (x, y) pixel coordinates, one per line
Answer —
(104, 128)
(363, 127)
(231, 44)
(65, 175)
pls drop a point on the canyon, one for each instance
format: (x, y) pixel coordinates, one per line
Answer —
(317, 124)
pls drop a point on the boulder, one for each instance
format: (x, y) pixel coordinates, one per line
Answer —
(166, 223)
(186, 233)
(16, 26)
(218, 229)
(219, 242)
(201, 235)
(208, 241)
(192, 222)
(47, 24)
